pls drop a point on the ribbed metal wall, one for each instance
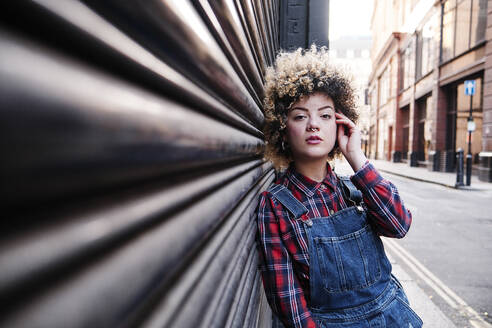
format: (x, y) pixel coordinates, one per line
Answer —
(131, 162)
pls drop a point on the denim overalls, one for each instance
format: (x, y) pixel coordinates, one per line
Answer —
(350, 276)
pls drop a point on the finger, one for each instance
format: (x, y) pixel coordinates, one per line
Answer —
(340, 132)
(340, 115)
(345, 121)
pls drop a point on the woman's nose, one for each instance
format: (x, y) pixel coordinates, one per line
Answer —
(312, 124)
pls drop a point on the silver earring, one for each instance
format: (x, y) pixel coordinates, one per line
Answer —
(283, 145)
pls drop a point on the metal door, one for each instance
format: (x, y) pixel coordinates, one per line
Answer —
(131, 162)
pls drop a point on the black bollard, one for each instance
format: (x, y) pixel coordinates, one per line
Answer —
(459, 167)
(468, 169)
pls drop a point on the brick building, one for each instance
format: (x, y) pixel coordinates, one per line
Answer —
(422, 52)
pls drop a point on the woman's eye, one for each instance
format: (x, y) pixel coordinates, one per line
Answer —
(327, 116)
(299, 117)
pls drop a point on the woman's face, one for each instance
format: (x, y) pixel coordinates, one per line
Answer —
(311, 128)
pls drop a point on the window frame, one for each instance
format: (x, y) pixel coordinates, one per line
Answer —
(454, 8)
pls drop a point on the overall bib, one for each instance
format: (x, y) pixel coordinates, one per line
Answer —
(350, 276)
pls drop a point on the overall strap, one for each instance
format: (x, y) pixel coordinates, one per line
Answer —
(285, 197)
(349, 190)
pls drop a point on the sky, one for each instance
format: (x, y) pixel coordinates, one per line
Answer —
(350, 18)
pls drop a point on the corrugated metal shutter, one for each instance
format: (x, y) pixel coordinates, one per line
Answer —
(131, 162)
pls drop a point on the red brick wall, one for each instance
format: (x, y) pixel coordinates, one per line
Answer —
(487, 92)
(439, 129)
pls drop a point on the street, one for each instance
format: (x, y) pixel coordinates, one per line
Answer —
(451, 237)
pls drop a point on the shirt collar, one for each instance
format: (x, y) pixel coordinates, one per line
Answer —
(309, 186)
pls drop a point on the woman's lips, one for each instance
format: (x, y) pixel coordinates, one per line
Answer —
(313, 140)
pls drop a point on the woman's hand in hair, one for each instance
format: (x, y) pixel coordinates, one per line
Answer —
(349, 141)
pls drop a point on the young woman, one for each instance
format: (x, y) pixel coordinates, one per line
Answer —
(321, 257)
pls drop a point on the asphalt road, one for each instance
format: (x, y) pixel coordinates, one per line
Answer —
(451, 235)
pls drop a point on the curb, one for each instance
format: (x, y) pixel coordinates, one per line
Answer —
(418, 179)
(428, 181)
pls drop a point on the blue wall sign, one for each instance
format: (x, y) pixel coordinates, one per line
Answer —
(470, 87)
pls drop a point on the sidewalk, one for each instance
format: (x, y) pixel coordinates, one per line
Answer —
(430, 314)
(423, 174)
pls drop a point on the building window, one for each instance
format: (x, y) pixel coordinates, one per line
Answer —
(447, 45)
(478, 21)
(425, 47)
(373, 100)
(408, 65)
(384, 87)
(462, 37)
(463, 26)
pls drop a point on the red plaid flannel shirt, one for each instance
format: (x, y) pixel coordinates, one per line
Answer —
(282, 241)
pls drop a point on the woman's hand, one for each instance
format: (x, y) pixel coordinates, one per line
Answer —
(349, 141)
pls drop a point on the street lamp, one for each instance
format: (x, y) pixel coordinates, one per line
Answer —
(469, 91)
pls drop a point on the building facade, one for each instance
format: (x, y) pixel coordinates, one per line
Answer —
(352, 55)
(422, 54)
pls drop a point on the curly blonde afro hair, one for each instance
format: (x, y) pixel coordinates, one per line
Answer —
(295, 75)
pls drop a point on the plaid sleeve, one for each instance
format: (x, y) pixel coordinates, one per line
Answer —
(386, 209)
(283, 290)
